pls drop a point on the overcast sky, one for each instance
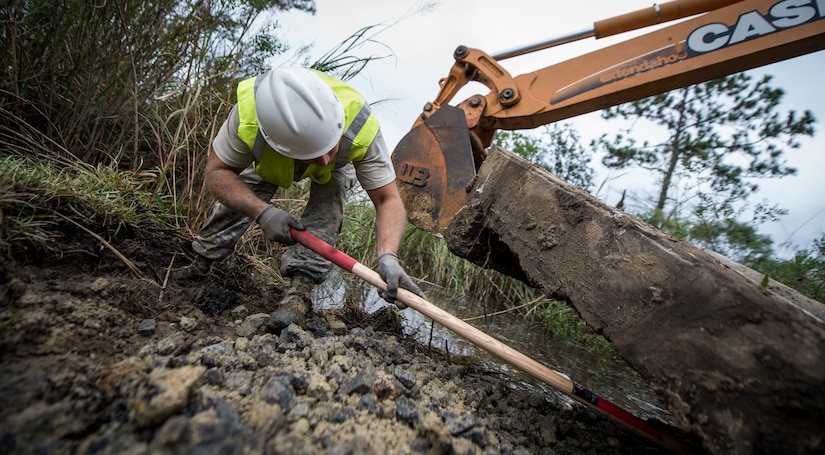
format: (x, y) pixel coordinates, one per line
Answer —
(421, 45)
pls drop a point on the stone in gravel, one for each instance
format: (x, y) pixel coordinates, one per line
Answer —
(319, 388)
(343, 415)
(251, 325)
(298, 383)
(161, 394)
(240, 312)
(300, 410)
(188, 324)
(459, 424)
(239, 381)
(264, 349)
(360, 384)
(214, 429)
(147, 327)
(342, 361)
(277, 390)
(99, 286)
(264, 419)
(370, 403)
(406, 411)
(294, 337)
(241, 344)
(405, 376)
(483, 438)
(219, 355)
(168, 345)
(214, 376)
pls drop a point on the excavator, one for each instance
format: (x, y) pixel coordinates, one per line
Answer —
(447, 144)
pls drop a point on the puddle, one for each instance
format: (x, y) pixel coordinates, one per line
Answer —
(612, 379)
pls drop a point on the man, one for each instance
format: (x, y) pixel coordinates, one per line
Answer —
(287, 125)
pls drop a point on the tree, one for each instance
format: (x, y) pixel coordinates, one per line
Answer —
(720, 136)
(805, 272)
(557, 149)
(731, 238)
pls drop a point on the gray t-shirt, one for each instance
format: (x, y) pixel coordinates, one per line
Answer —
(374, 171)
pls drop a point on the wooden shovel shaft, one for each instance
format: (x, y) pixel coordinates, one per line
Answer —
(498, 349)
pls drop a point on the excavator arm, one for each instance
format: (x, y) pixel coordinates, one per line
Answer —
(446, 146)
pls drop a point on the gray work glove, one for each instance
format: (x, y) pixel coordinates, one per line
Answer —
(276, 223)
(392, 273)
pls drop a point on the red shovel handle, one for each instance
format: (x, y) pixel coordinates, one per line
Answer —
(324, 249)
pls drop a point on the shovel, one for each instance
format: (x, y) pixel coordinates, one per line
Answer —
(498, 349)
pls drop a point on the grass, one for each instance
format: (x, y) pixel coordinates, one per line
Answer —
(560, 320)
(101, 191)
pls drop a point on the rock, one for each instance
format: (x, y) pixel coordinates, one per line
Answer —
(407, 411)
(214, 429)
(405, 376)
(369, 403)
(239, 381)
(168, 345)
(42, 425)
(164, 392)
(219, 301)
(188, 324)
(147, 327)
(360, 384)
(343, 415)
(460, 424)
(241, 344)
(318, 388)
(277, 390)
(264, 349)
(100, 285)
(265, 419)
(252, 325)
(240, 312)
(297, 337)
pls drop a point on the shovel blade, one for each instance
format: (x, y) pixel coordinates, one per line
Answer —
(434, 163)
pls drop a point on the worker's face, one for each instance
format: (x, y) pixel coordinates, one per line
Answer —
(324, 159)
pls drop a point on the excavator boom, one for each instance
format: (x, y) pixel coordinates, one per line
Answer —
(442, 152)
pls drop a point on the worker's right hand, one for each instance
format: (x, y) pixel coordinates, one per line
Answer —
(276, 223)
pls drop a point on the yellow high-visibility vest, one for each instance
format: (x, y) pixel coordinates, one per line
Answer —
(360, 129)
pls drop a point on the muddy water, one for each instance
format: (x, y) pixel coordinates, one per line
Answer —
(610, 378)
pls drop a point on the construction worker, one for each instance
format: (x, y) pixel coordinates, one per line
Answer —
(291, 124)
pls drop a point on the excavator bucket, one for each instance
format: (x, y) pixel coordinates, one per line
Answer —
(434, 163)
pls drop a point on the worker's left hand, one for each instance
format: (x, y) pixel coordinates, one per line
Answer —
(392, 273)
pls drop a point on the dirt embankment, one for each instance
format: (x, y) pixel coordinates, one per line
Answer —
(97, 361)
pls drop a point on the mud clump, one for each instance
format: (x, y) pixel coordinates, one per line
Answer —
(79, 376)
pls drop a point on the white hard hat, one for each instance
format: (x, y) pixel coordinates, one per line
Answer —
(298, 113)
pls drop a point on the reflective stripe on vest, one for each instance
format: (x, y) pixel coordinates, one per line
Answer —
(360, 129)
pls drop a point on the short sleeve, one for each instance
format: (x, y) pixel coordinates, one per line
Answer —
(228, 146)
(375, 169)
